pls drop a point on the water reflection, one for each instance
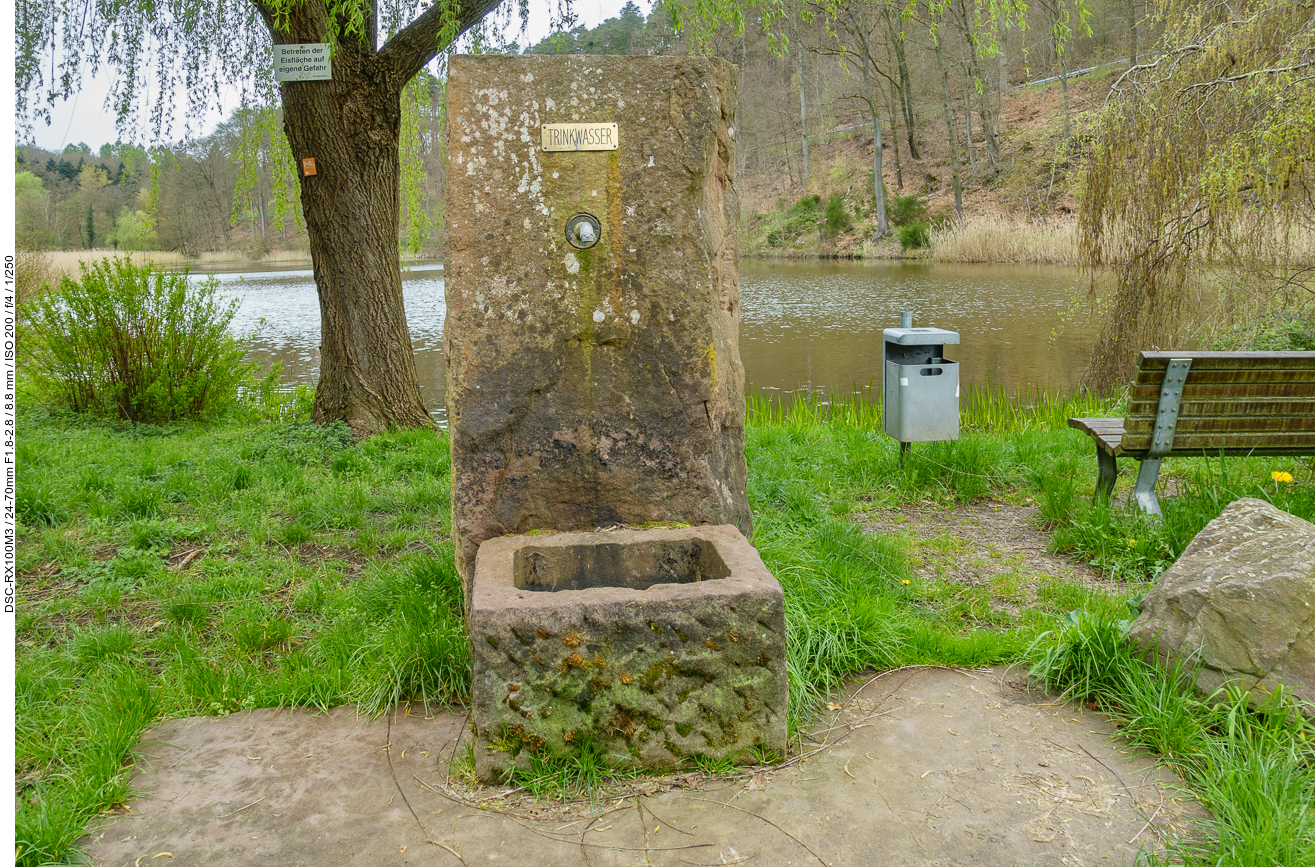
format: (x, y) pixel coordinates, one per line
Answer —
(282, 311)
(804, 325)
(811, 324)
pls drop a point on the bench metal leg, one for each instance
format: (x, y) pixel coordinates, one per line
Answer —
(1147, 475)
(1109, 471)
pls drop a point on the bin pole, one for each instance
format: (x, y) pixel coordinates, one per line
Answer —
(904, 449)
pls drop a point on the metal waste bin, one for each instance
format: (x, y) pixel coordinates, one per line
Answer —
(920, 388)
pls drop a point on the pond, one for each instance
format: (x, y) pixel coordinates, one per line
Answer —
(805, 326)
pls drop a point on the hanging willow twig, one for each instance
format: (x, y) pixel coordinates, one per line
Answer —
(1203, 165)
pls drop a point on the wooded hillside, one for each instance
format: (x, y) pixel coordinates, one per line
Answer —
(805, 131)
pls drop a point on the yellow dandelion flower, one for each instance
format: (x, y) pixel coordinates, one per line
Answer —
(1280, 476)
(905, 581)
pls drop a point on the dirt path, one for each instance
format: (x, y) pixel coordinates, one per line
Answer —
(911, 767)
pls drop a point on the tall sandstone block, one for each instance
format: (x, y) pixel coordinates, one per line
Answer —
(600, 386)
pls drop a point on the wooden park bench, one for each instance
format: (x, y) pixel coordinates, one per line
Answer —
(1206, 403)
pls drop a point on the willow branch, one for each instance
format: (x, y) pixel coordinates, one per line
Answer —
(1240, 76)
(417, 43)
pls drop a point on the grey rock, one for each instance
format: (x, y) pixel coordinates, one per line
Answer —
(592, 387)
(1242, 596)
(655, 645)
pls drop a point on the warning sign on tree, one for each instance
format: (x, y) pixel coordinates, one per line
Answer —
(308, 62)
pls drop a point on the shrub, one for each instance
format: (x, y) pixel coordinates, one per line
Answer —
(1272, 331)
(906, 210)
(802, 216)
(837, 218)
(146, 345)
(914, 236)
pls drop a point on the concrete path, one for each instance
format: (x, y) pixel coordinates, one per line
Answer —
(912, 767)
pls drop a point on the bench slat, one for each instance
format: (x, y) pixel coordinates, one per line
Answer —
(1214, 391)
(1094, 424)
(1229, 360)
(1107, 432)
(1251, 374)
(1227, 407)
(1227, 424)
(1272, 443)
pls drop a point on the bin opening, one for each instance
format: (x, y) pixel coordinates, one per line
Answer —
(930, 371)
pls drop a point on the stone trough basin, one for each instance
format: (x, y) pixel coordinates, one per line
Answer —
(652, 645)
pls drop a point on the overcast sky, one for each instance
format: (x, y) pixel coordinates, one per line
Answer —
(85, 118)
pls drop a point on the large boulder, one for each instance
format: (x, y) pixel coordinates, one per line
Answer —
(1242, 596)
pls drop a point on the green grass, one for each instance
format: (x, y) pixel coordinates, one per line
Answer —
(318, 573)
(852, 600)
(1254, 771)
(205, 569)
(580, 775)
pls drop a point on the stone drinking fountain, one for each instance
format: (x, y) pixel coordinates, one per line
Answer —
(595, 402)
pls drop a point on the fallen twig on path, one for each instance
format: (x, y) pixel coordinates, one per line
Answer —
(804, 845)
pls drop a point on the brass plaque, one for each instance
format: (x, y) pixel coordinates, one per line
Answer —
(580, 137)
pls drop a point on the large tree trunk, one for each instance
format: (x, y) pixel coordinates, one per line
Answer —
(367, 370)
(350, 126)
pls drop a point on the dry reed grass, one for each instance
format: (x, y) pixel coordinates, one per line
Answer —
(222, 257)
(1001, 238)
(279, 257)
(1007, 240)
(240, 257)
(65, 262)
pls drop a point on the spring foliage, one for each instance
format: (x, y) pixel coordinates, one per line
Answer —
(145, 345)
(1203, 158)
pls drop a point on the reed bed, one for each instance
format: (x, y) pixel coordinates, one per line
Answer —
(1007, 240)
(66, 262)
(278, 257)
(1011, 240)
(222, 257)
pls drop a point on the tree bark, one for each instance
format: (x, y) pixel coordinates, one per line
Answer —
(893, 107)
(878, 181)
(968, 126)
(906, 83)
(986, 116)
(949, 131)
(1002, 64)
(350, 126)
(803, 112)
(1063, 89)
(1133, 25)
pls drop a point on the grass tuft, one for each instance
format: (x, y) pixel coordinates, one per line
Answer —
(1253, 770)
(581, 774)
